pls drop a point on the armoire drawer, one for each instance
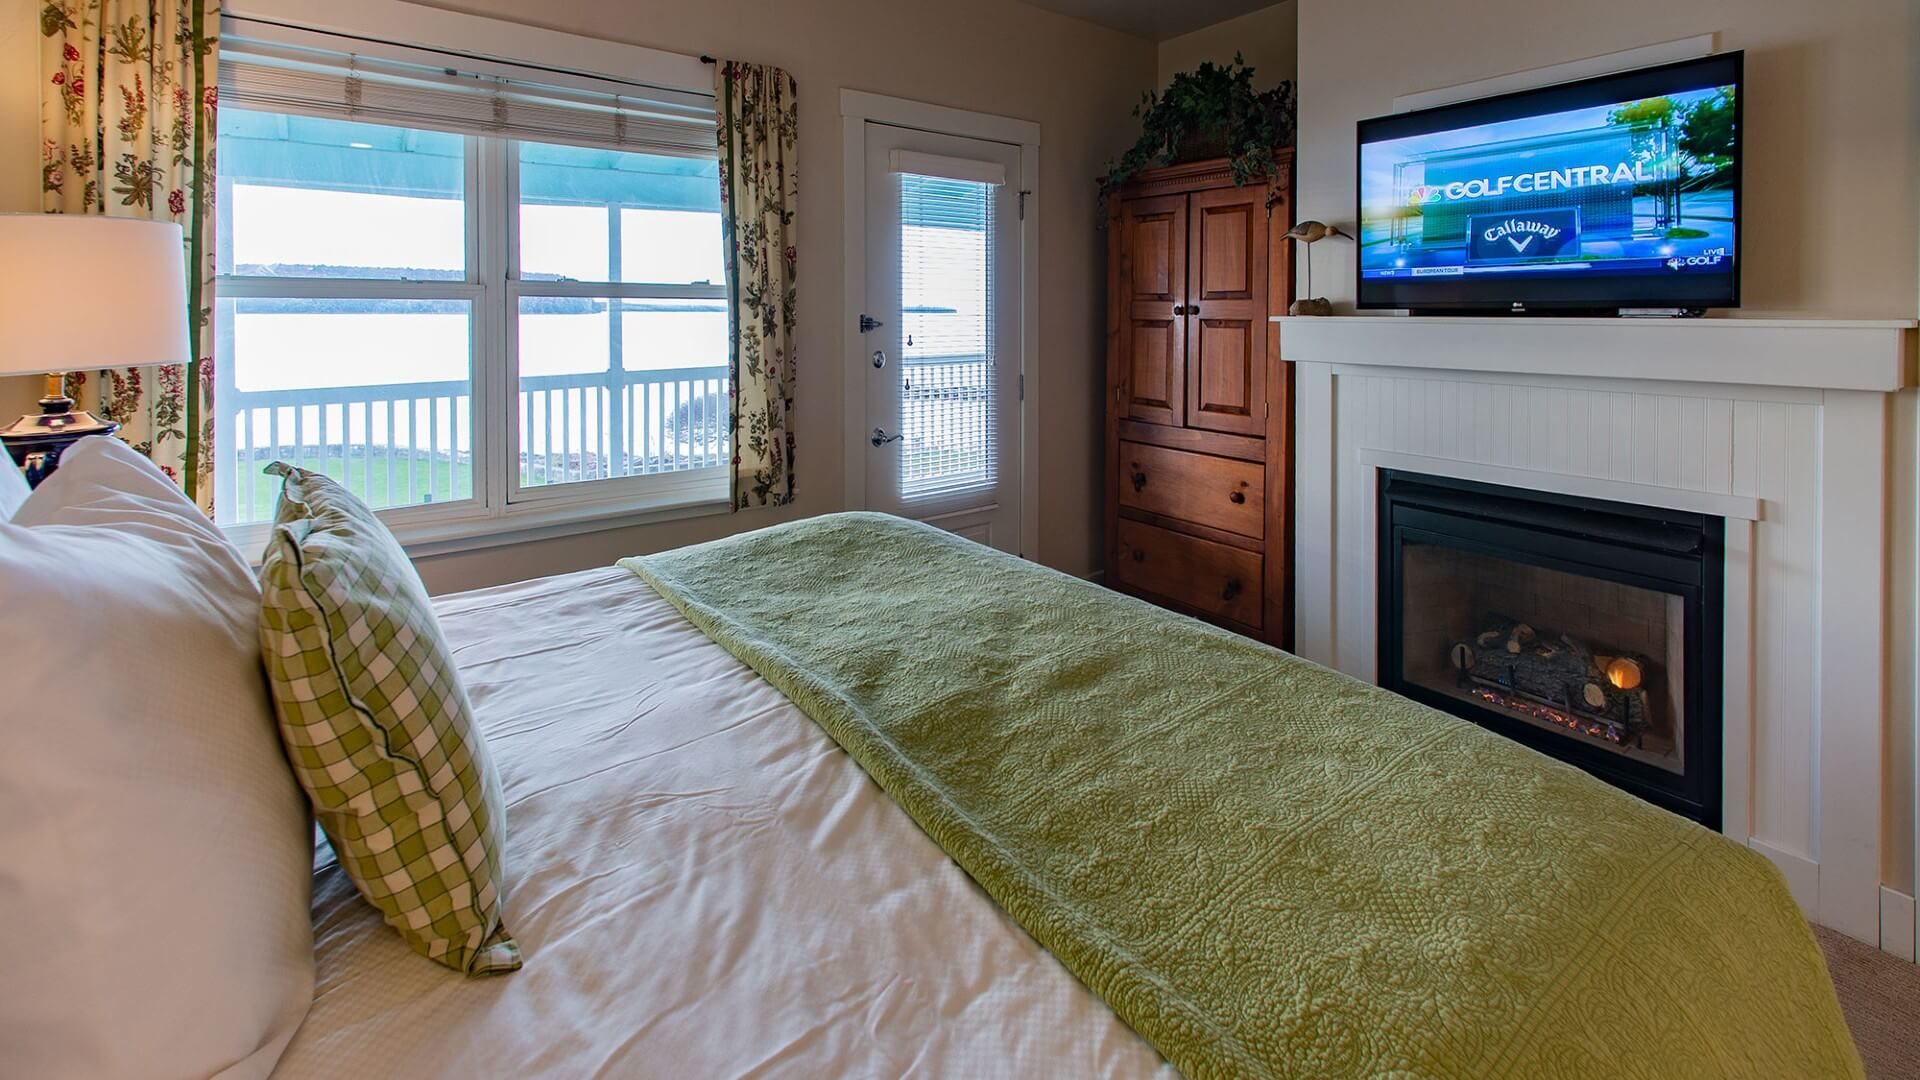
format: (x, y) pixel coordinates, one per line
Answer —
(1220, 492)
(1215, 578)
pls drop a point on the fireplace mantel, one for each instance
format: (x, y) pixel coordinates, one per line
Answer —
(1793, 430)
(1808, 353)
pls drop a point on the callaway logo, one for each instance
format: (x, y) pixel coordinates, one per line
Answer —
(1520, 232)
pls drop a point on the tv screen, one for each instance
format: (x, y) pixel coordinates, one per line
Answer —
(1616, 192)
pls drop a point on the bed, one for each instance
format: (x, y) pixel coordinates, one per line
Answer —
(703, 883)
(1298, 877)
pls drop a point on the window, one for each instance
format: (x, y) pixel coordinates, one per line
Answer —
(622, 319)
(946, 311)
(469, 300)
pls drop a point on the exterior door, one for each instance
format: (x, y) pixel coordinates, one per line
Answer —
(1153, 336)
(944, 366)
(1226, 311)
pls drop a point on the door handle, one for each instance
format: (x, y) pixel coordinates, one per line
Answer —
(881, 438)
(1237, 497)
(1139, 480)
(1232, 590)
(879, 358)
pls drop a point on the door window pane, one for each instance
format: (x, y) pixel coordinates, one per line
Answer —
(317, 198)
(374, 393)
(602, 397)
(609, 215)
(946, 319)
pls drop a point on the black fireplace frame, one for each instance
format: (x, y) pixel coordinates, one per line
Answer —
(1671, 551)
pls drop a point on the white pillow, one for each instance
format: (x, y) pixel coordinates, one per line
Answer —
(156, 877)
(13, 487)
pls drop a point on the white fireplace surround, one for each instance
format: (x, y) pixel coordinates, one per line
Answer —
(1786, 428)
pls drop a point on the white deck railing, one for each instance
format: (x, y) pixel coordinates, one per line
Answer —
(403, 444)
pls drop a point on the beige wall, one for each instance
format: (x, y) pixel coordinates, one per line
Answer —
(1833, 131)
(1266, 39)
(19, 148)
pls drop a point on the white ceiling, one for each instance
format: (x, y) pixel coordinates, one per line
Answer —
(1156, 19)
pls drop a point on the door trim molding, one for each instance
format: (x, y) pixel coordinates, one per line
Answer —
(857, 109)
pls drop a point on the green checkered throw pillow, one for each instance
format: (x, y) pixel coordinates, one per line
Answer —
(378, 727)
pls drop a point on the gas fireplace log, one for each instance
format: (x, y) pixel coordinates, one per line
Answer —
(1562, 673)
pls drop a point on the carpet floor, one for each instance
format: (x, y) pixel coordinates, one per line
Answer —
(1881, 996)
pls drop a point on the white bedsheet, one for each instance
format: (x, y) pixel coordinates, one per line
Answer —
(703, 883)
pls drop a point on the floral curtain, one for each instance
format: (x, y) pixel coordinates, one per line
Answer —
(759, 199)
(127, 115)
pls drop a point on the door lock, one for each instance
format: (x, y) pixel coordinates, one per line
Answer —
(881, 438)
(879, 358)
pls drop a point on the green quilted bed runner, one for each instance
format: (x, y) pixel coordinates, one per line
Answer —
(1265, 867)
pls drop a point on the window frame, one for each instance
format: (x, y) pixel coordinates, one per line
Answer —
(501, 509)
(611, 488)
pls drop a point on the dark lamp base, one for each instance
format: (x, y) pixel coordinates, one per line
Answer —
(48, 423)
(36, 442)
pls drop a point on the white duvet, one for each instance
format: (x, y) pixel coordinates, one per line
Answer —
(703, 883)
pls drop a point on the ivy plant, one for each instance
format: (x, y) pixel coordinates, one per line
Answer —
(1211, 111)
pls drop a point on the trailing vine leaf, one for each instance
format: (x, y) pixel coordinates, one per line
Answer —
(1211, 111)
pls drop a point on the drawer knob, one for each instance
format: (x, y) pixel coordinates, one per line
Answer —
(1139, 480)
(1237, 497)
(1232, 590)
(1139, 556)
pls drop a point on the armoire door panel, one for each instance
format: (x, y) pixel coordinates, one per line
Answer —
(1224, 253)
(1152, 372)
(1153, 338)
(1156, 260)
(1226, 368)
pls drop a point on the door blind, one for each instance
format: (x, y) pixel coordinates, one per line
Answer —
(947, 355)
(347, 86)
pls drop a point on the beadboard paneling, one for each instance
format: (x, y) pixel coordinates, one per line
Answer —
(1753, 443)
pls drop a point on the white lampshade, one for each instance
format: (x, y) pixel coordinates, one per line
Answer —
(81, 291)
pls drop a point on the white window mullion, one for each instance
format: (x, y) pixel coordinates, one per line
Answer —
(496, 226)
(274, 288)
(601, 289)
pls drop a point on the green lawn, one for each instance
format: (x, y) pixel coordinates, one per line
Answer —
(430, 481)
(426, 481)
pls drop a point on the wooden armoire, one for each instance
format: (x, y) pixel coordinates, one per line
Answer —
(1199, 437)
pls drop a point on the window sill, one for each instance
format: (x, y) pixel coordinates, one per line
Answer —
(477, 529)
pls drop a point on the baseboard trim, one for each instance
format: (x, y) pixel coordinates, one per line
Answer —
(1802, 874)
(1897, 927)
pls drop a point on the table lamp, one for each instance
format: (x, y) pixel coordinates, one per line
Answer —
(84, 291)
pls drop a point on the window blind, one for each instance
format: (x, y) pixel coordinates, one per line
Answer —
(946, 309)
(313, 82)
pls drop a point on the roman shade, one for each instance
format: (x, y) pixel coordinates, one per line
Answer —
(465, 95)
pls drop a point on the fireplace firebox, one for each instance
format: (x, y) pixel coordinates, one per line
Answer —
(1588, 630)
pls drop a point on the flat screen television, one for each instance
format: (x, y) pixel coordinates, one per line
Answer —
(1617, 192)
